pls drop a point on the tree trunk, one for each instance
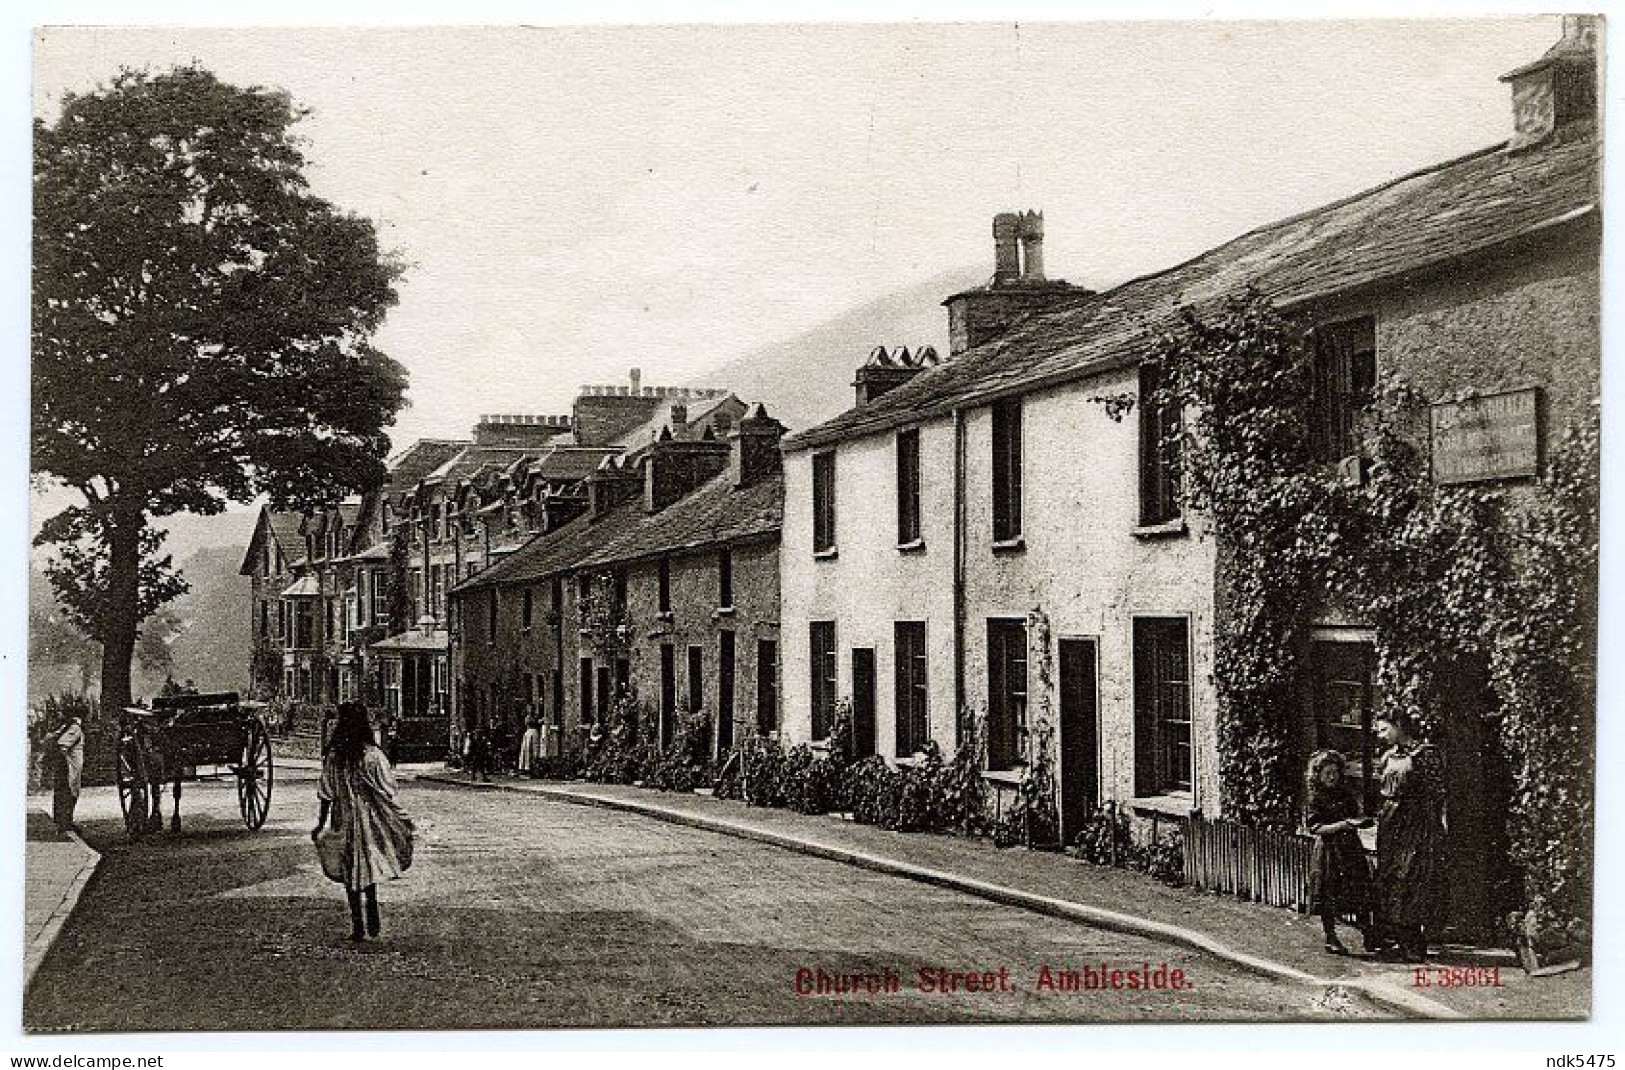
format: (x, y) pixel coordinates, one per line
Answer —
(123, 580)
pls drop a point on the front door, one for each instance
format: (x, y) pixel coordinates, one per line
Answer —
(1080, 734)
(863, 701)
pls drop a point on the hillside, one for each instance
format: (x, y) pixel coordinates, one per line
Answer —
(205, 632)
(807, 379)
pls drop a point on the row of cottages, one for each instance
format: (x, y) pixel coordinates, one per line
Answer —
(663, 593)
(1004, 532)
(350, 602)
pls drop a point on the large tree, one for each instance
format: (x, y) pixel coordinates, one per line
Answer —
(202, 329)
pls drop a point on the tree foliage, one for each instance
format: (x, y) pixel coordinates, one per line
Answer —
(202, 329)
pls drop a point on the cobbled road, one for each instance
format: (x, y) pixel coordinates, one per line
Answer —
(525, 913)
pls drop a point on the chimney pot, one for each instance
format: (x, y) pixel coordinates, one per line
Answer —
(1006, 257)
(1032, 246)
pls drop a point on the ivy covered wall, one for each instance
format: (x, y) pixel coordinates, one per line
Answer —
(1491, 579)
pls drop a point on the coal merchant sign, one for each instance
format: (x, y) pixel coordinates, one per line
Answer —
(1496, 436)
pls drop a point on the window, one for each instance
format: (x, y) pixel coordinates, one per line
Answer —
(696, 679)
(392, 686)
(913, 727)
(665, 585)
(668, 691)
(1160, 424)
(1162, 705)
(908, 487)
(823, 465)
(380, 598)
(767, 685)
(725, 579)
(555, 594)
(606, 694)
(619, 604)
(1007, 470)
(304, 624)
(527, 611)
(282, 622)
(491, 618)
(587, 703)
(725, 691)
(821, 635)
(623, 677)
(1342, 382)
(265, 620)
(1006, 692)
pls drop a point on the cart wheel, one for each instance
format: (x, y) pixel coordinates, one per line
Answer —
(254, 775)
(133, 799)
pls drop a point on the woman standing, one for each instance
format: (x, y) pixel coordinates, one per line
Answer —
(1410, 837)
(369, 838)
(530, 749)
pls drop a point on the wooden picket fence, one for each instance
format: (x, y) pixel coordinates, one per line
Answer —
(1254, 864)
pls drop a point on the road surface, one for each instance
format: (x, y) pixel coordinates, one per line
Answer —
(522, 913)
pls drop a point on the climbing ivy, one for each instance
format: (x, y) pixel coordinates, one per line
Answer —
(1445, 576)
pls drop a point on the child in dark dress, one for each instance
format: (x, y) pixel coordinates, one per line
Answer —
(1340, 876)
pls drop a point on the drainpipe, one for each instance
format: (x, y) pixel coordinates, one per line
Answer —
(960, 536)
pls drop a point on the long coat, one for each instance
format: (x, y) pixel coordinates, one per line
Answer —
(369, 836)
(1411, 834)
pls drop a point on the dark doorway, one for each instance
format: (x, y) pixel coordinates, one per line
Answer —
(1343, 673)
(863, 701)
(1482, 886)
(1080, 734)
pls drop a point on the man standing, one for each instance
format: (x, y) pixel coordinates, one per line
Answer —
(69, 761)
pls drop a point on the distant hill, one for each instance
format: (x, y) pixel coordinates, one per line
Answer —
(206, 633)
(807, 379)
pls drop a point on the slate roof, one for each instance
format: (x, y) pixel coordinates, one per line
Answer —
(473, 458)
(285, 528)
(1412, 224)
(556, 550)
(714, 514)
(568, 464)
(710, 516)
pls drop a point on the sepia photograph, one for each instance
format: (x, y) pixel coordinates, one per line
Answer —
(712, 525)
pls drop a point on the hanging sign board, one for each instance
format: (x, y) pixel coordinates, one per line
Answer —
(1496, 436)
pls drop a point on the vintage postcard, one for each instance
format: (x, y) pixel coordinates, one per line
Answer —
(722, 525)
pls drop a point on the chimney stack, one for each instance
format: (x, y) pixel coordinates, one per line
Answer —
(609, 486)
(679, 421)
(754, 447)
(635, 377)
(675, 467)
(1558, 91)
(885, 371)
(979, 315)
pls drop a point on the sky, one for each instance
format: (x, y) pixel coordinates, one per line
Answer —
(576, 202)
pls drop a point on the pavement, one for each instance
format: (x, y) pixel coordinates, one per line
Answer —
(57, 868)
(1460, 982)
(528, 912)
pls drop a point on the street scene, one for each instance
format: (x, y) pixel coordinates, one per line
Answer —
(888, 629)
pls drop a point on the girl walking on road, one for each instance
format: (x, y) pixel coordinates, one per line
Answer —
(369, 836)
